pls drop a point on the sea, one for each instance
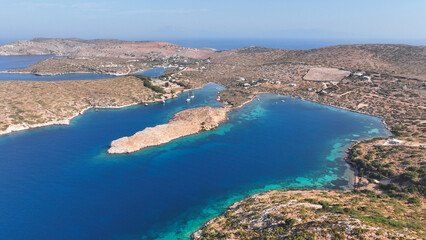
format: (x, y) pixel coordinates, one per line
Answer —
(16, 62)
(58, 182)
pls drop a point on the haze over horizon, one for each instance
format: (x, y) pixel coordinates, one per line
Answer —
(171, 20)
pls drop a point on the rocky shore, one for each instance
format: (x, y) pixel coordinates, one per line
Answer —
(314, 214)
(184, 123)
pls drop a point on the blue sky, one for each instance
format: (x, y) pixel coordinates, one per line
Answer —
(174, 19)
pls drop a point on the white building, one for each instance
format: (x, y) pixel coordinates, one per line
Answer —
(368, 78)
(358, 74)
(394, 141)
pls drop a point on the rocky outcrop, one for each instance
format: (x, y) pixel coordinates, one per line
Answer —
(184, 123)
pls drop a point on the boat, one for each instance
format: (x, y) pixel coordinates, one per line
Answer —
(146, 104)
(282, 100)
(188, 99)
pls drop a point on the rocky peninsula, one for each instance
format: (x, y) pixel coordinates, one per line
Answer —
(184, 123)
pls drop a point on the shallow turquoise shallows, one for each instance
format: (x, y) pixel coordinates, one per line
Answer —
(59, 183)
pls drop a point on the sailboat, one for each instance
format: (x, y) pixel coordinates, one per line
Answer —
(192, 95)
(188, 99)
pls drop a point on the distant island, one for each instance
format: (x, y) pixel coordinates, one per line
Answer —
(387, 81)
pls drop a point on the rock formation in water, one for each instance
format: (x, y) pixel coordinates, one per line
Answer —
(184, 123)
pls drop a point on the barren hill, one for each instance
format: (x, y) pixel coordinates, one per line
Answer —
(99, 48)
(395, 59)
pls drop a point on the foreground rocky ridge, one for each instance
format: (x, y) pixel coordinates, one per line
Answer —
(184, 123)
(314, 214)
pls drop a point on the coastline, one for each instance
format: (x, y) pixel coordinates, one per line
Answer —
(23, 127)
(11, 71)
(184, 123)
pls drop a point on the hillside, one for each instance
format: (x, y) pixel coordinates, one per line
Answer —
(314, 214)
(99, 48)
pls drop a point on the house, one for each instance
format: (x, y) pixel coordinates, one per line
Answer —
(394, 141)
(310, 90)
(368, 78)
(247, 85)
(293, 84)
(358, 74)
(277, 82)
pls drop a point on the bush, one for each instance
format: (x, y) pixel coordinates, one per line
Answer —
(147, 83)
(408, 176)
(184, 85)
(414, 200)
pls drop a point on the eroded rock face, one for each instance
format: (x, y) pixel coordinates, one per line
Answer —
(184, 123)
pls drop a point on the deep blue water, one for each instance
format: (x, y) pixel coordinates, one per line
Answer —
(23, 61)
(31, 77)
(58, 183)
(14, 62)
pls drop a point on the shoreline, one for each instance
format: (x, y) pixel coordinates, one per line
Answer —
(66, 73)
(184, 123)
(352, 179)
(65, 122)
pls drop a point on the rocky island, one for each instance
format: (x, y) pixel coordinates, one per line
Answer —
(184, 123)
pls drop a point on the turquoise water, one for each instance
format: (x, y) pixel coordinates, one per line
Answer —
(58, 183)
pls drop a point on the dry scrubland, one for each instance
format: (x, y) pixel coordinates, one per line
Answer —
(74, 47)
(27, 103)
(314, 214)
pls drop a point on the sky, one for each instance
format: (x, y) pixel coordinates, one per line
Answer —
(192, 19)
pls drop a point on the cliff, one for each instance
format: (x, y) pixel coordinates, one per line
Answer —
(184, 123)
